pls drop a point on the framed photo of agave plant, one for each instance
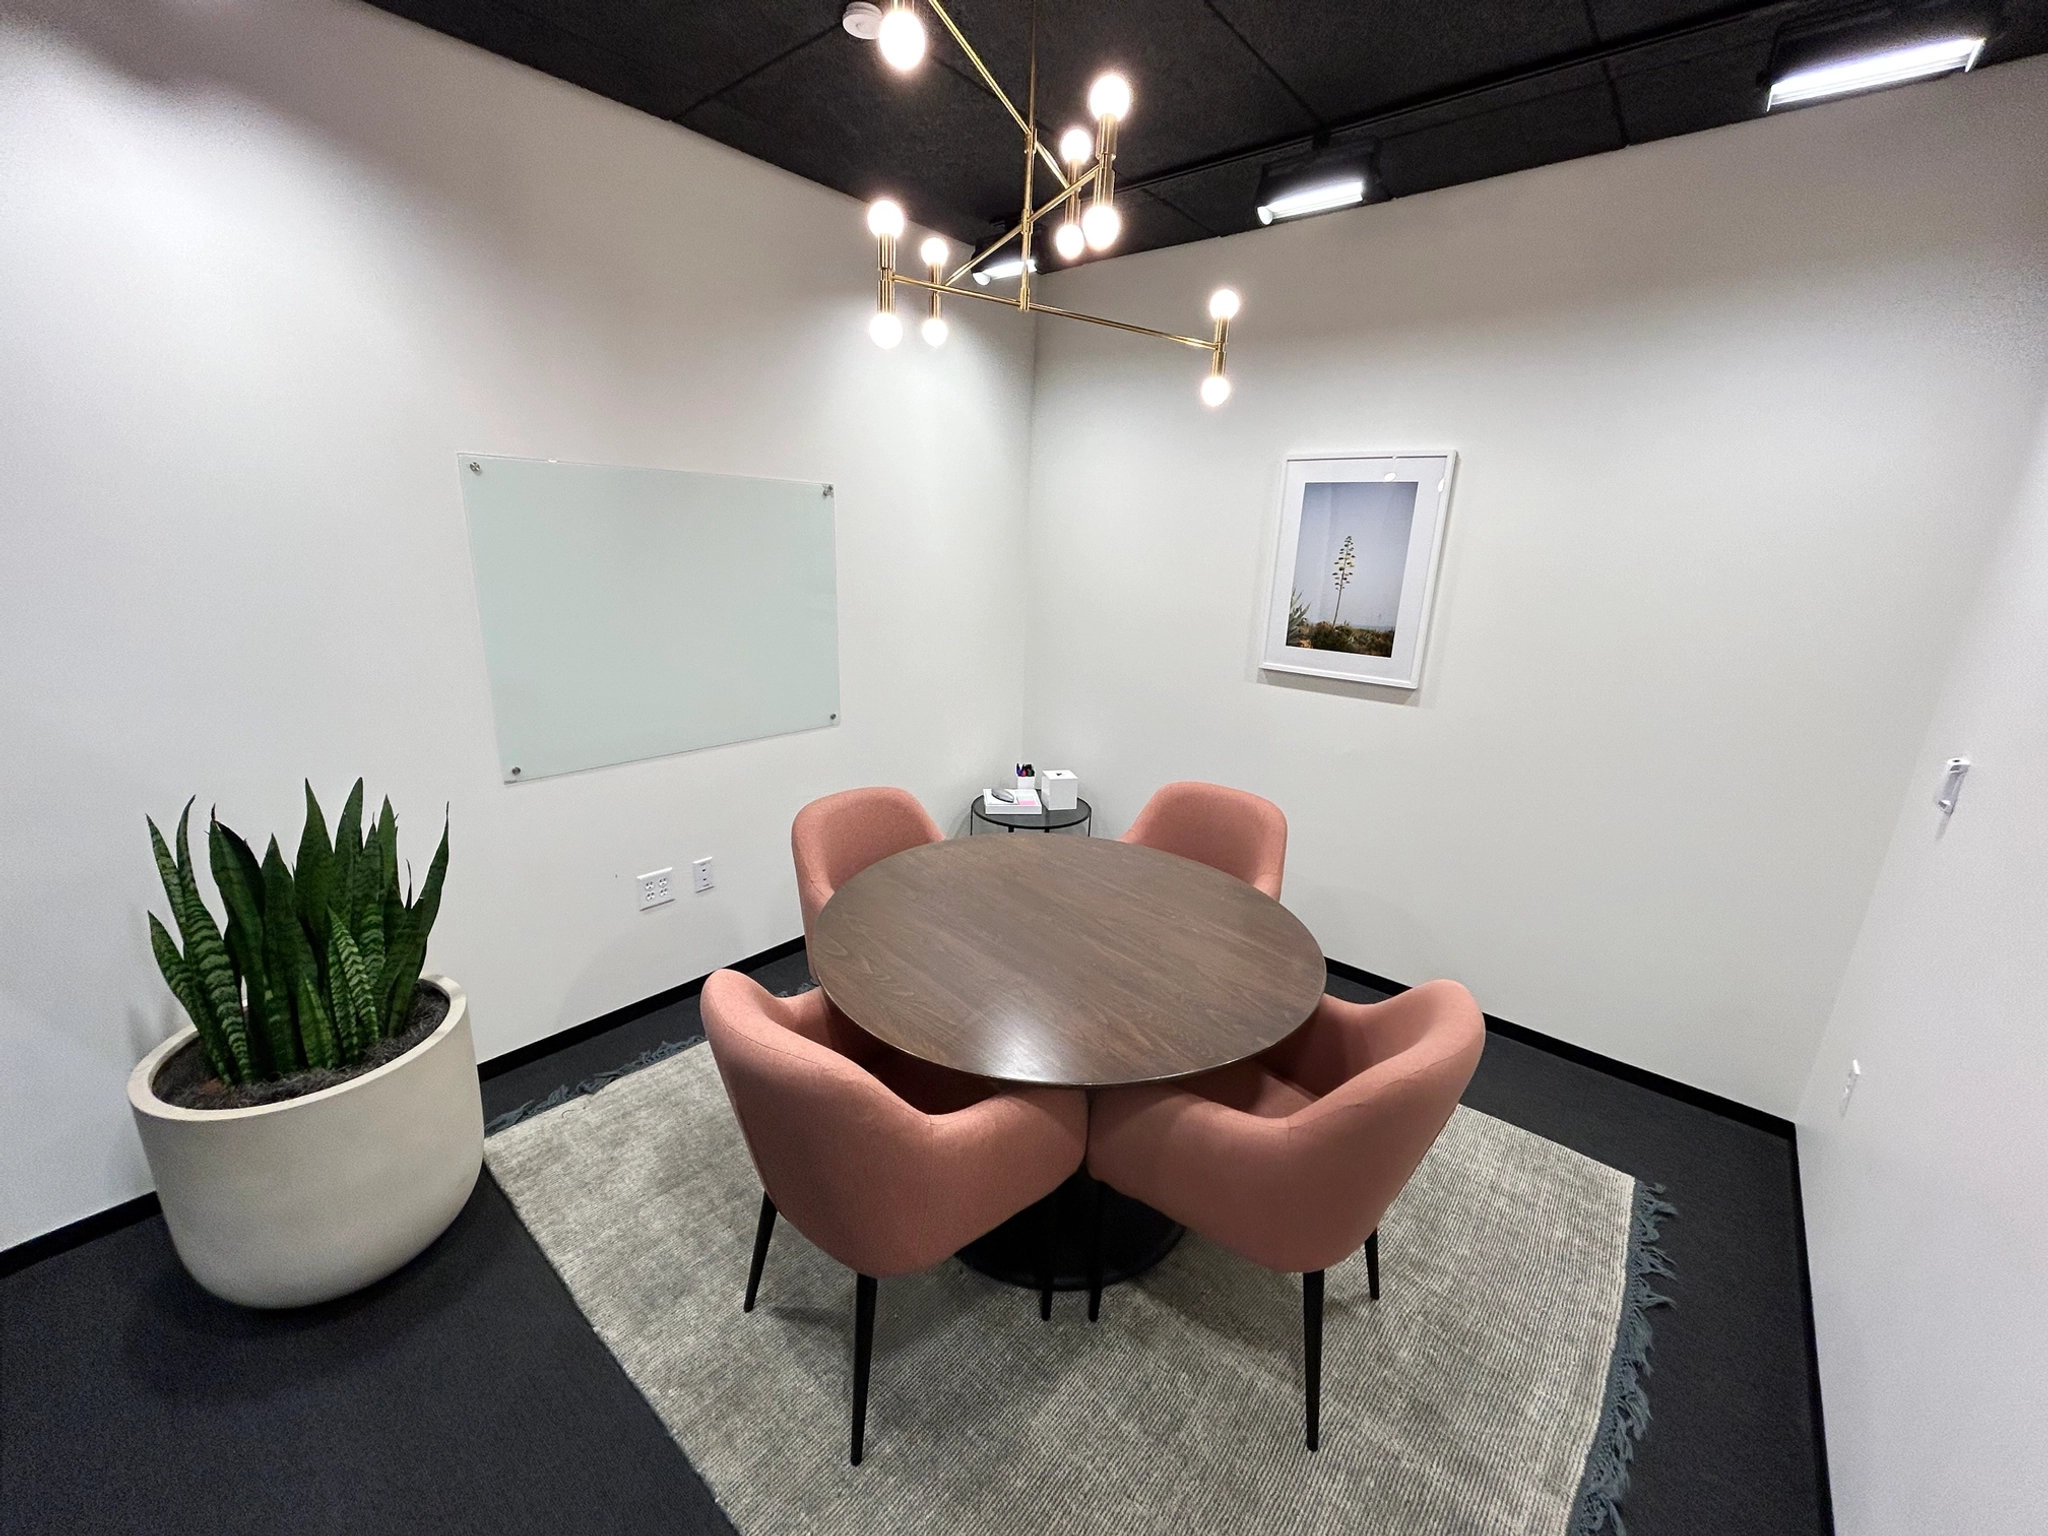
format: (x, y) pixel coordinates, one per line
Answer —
(1360, 538)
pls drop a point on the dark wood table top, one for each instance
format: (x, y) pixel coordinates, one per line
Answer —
(1064, 960)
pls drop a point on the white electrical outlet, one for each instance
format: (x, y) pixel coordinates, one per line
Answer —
(657, 888)
(1849, 1085)
(700, 876)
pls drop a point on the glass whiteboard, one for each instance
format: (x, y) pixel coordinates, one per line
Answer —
(631, 613)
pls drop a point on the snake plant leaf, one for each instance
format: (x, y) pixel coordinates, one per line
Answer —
(366, 902)
(428, 907)
(315, 1028)
(196, 1001)
(315, 873)
(286, 953)
(348, 848)
(354, 999)
(207, 954)
(236, 870)
(185, 988)
(408, 956)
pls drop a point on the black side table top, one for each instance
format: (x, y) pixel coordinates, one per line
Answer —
(1033, 821)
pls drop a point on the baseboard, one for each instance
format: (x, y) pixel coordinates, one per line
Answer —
(576, 1034)
(1824, 1477)
(49, 1244)
(1670, 1087)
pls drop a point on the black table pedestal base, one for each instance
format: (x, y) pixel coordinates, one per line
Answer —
(1134, 1238)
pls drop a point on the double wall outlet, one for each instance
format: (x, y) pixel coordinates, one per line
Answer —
(658, 888)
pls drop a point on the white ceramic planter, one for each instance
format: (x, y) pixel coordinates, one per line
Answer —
(287, 1204)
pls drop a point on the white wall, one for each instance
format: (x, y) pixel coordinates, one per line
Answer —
(265, 267)
(1924, 1199)
(1737, 415)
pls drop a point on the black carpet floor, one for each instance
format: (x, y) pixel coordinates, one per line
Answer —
(467, 1394)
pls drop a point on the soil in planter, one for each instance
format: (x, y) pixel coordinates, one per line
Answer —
(185, 1081)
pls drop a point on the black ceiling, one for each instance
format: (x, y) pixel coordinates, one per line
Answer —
(1448, 90)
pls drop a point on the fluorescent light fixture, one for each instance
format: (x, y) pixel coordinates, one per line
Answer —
(1873, 71)
(1009, 266)
(1322, 183)
(1341, 193)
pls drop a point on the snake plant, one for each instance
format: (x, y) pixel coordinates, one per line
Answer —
(317, 963)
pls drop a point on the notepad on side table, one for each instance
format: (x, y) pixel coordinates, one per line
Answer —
(1024, 802)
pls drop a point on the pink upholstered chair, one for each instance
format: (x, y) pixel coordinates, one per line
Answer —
(886, 1162)
(1229, 829)
(1291, 1158)
(835, 838)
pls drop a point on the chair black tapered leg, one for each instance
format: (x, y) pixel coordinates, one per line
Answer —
(1095, 1253)
(1049, 1242)
(1312, 1350)
(863, 1347)
(763, 1230)
(1372, 1264)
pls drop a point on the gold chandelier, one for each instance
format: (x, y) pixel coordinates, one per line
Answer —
(1084, 169)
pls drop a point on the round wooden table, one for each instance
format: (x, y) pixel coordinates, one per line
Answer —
(1071, 962)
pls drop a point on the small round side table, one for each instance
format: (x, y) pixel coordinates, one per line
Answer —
(1082, 815)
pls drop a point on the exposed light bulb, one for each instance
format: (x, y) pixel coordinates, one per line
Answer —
(886, 329)
(1215, 389)
(1109, 96)
(1069, 241)
(1077, 146)
(1223, 304)
(1100, 226)
(901, 38)
(885, 218)
(935, 251)
(933, 331)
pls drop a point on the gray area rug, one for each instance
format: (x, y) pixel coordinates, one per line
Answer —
(1494, 1387)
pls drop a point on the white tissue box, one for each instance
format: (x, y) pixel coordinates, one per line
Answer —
(1058, 789)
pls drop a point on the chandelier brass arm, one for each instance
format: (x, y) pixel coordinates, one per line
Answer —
(1072, 190)
(1090, 171)
(989, 80)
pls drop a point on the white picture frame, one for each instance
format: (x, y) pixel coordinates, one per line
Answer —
(1352, 600)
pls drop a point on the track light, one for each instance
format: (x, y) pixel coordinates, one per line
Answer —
(1320, 184)
(996, 271)
(1874, 71)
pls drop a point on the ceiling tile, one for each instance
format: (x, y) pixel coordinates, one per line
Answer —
(1349, 60)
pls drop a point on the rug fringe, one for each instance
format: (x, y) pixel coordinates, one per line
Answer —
(1625, 1409)
(566, 1092)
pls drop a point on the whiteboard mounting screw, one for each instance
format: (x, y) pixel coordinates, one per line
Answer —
(828, 490)
(1952, 774)
(475, 468)
(515, 773)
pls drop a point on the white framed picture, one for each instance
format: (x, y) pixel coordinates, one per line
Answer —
(1360, 536)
